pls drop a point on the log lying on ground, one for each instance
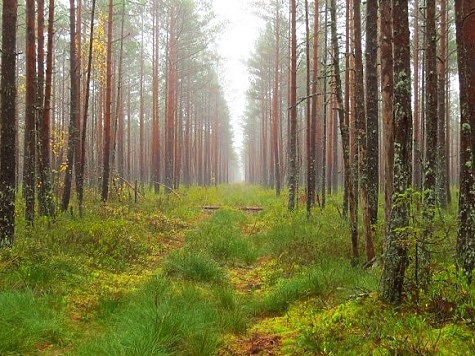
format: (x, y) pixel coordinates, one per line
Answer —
(249, 209)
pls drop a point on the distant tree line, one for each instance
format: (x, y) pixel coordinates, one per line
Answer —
(108, 94)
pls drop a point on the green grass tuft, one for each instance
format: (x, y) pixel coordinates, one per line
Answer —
(29, 322)
(165, 318)
(194, 266)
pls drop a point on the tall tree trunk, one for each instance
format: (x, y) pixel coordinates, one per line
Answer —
(465, 26)
(82, 161)
(117, 153)
(310, 138)
(387, 85)
(155, 104)
(372, 123)
(108, 110)
(345, 136)
(171, 102)
(77, 148)
(442, 180)
(74, 108)
(293, 168)
(45, 194)
(327, 74)
(361, 130)
(314, 108)
(29, 171)
(430, 164)
(395, 248)
(417, 173)
(8, 127)
(275, 104)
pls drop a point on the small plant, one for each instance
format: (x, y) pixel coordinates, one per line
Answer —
(194, 266)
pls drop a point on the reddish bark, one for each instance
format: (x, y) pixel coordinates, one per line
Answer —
(465, 26)
(8, 126)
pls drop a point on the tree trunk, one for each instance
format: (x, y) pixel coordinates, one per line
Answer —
(275, 105)
(387, 80)
(82, 161)
(327, 74)
(417, 173)
(108, 110)
(171, 102)
(430, 164)
(142, 113)
(293, 169)
(314, 99)
(347, 173)
(117, 158)
(465, 26)
(372, 120)
(74, 109)
(45, 194)
(395, 247)
(442, 180)
(29, 171)
(155, 104)
(8, 127)
(345, 137)
(361, 130)
(310, 138)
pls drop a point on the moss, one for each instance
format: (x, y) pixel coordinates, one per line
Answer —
(367, 325)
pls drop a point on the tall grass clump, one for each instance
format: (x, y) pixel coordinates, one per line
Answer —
(194, 266)
(221, 238)
(166, 318)
(299, 241)
(28, 322)
(325, 277)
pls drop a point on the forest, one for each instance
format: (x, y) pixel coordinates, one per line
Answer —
(334, 215)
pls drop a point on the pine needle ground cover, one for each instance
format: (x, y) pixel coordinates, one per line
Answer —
(162, 277)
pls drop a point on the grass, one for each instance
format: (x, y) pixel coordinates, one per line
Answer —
(167, 317)
(28, 321)
(162, 277)
(194, 266)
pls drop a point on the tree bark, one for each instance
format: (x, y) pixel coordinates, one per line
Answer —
(275, 105)
(345, 136)
(171, 102)
(314, 108)
(293, 169)
(155, 104)
(387, 85)
(442, 172)
(372, 119)
(29, 171)
(430, 162)
(310, 137)
(82, 161)
(108, 110)
(395, 246)
(74, 108)
(417, 172)
(45, 194)
(8, 127)
(361, 131)
(465, 28)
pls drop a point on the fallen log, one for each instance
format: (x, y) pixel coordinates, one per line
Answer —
(248, 209)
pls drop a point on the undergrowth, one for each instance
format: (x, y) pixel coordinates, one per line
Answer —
(164, 277)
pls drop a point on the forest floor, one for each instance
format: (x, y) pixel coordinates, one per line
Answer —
(164, 276)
